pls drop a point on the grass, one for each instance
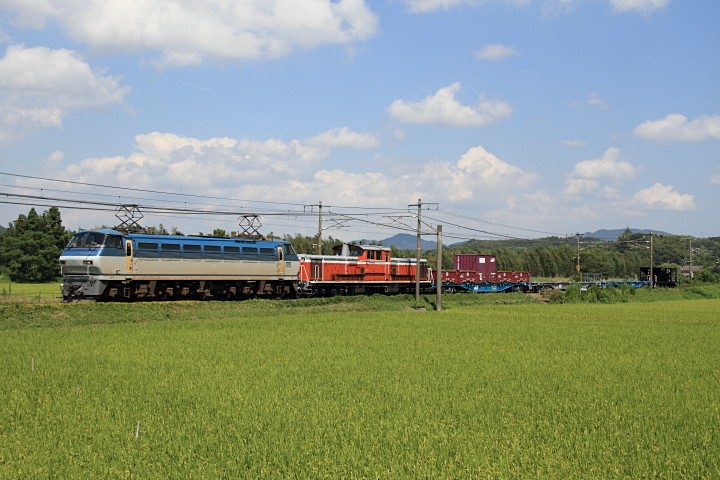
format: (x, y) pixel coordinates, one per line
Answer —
(360, 388)
(12, 292)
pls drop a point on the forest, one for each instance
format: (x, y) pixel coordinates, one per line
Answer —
(30, 247)
(555, 257)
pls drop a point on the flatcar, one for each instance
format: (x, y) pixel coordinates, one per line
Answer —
(110, 265)
(478, 273)
(361, 269)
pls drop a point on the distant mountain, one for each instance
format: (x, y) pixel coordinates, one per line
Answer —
(615, 233)
(405, 241)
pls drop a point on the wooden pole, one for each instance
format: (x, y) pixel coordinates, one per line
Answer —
(438, 279)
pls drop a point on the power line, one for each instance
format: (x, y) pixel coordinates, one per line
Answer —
(465, 217)
(160, 192)
(344, 217)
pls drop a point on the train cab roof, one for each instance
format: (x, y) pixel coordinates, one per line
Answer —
(339, 248)
(367, 252)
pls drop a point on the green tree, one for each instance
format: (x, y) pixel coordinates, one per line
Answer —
(30, 247)
(305, 244)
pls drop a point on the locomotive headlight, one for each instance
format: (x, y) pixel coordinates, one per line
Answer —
(87, 262)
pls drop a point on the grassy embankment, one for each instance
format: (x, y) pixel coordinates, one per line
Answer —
(11, 292)
(495, 386)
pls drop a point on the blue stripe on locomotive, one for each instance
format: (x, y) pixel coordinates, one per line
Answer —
(182, 247)
(207, 248)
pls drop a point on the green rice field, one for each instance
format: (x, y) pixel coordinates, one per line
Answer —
(491, 387)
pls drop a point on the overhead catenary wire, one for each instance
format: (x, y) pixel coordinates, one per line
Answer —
(338, 217)
(466, 217)
(190, 195)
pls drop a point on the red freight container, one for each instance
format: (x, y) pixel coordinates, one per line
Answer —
(484, 264)
(460, 276)
(512, 277)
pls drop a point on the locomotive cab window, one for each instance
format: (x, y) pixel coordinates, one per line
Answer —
(86, 240)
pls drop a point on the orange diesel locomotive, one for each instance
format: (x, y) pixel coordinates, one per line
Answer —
(360, 269)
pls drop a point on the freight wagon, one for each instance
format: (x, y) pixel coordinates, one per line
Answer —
(478, 273)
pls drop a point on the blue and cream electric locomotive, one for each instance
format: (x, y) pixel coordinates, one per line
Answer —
(109, 265)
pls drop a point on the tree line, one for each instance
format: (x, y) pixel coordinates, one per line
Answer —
(31, 245)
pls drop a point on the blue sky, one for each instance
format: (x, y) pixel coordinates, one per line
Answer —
(517, 118)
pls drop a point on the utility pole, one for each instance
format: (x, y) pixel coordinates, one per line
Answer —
(438, 280)
(652, 261)
(320, 219)
(417, 252)
(691, 272)
(319, 240)
(419, 206)
(577, 266)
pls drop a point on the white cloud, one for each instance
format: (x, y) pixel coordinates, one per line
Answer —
(444, 108)
(580, 186)
(39, 86)
(715, 179)
(675, 127)
(663, 197)
(366, 188)
(477, 174)
(611, 193)
(344, 137)
(574, 143)
(587, 175)
(558, 7)
(495, 51)
(55, 158)
(638, 5)
(423, 6)
(186, 163)
(607, 166)
(594, 100)
(250, 29)
(30, 13)
(291, 171)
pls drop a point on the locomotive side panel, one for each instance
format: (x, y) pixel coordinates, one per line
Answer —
(151, 266)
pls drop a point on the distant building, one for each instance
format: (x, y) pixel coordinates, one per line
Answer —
(685, 270)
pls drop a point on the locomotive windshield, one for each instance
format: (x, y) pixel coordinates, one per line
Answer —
(94, 240)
